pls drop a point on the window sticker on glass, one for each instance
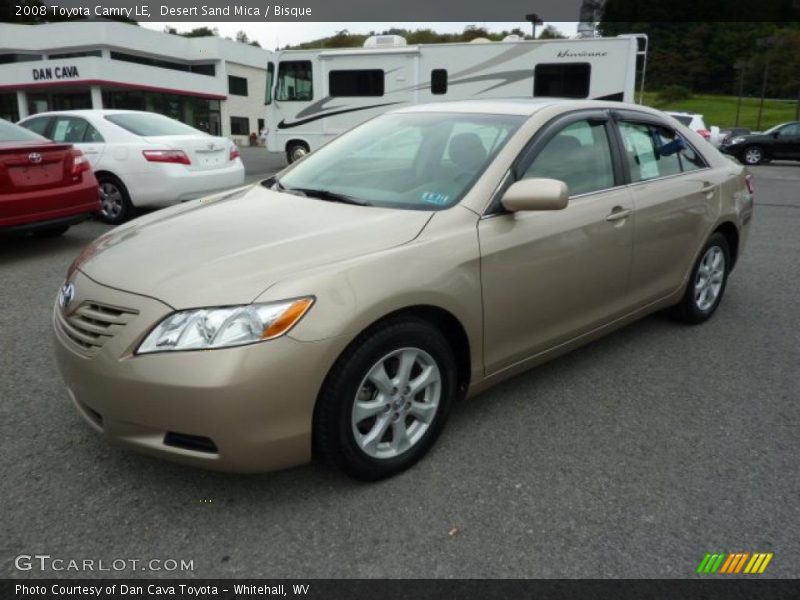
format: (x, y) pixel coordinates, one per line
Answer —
(60, 132)
(435, 198)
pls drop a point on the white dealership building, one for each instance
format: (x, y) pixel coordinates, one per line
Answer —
(210, 83)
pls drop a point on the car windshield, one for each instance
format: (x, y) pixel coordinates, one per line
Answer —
(14, 133)
(418, 161)
(151, 124)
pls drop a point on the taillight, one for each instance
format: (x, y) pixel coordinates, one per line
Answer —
(748, 181)
(234, 153)
(80, 164)
(705, 133)
(167, 156)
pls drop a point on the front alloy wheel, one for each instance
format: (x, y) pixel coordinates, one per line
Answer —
(386, 399)
(753, 155)
(396, 403)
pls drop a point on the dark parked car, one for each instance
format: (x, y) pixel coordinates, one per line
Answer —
(779, 142)
(729, 134)
(44, 187)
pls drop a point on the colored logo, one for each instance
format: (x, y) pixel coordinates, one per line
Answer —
(733, 563)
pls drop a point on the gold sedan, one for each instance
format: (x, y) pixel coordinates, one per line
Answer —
(341, 307)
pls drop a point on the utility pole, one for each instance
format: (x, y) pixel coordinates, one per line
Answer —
(740, 66)
(767, 42)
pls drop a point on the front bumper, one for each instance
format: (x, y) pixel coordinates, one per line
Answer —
(245, 409)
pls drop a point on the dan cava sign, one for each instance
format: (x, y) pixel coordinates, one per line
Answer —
(51, 73)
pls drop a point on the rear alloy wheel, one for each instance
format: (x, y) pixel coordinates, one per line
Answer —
(707, 283)
(386, 399)
(296, 151)
(116, 207)
(753, 155)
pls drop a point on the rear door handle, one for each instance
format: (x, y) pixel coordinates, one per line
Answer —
(707, 187)
(618, 213)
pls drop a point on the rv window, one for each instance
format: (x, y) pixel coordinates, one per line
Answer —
(366, 82)
(270, 81)
(562, 81)
(294, 81)
(439, 81)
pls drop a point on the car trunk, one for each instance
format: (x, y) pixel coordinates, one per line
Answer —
(206, 153)
(35, 167)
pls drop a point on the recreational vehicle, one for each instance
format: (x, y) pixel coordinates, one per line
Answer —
(314, 95)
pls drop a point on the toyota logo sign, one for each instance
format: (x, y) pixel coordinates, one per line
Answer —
(35, 158)
(66, 295)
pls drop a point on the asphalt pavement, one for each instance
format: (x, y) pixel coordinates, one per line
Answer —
(631, 457)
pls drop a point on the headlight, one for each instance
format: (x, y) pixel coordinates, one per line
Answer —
(208, 328)
(737, 140)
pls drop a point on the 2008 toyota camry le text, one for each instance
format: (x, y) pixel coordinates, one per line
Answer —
(340, 308)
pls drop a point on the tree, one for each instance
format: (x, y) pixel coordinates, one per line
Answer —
(170, 30)
(201, 32)
(241, 37)
(551, 33)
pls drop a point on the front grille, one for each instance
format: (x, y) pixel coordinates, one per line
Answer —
(92, 324)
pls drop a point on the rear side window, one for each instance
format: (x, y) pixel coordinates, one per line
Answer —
(14, 133)
(151, 124)
(362, 82)
(562, 80)
(439, 81)
(37, 125)
(652, 151)
(579, 155)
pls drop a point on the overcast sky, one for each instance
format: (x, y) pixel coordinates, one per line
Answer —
(272, 35)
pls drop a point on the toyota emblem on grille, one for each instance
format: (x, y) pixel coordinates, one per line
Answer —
(35, 158)
(66, 295)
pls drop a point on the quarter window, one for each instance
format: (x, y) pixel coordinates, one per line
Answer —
(562, 80)
(579, 155)
(363, 82)
(295, 81)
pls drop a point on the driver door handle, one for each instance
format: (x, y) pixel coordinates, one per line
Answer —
(618, 213)
(707, 187)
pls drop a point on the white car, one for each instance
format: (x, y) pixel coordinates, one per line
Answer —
(142, 158)
(696, 123)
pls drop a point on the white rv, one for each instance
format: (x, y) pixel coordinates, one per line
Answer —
(313, 95)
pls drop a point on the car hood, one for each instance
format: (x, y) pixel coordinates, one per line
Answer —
(229, 248)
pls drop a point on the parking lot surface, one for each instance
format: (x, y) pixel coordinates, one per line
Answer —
(631, 457)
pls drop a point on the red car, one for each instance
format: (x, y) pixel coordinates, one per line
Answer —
(45, 187)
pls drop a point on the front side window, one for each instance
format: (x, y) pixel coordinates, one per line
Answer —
(417, 161)
(69, 129)
(362, 82)
(790, 130)
(562, 80)
(579, 155)
(295, 81)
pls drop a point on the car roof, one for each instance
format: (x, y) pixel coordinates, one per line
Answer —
(88, 112)
(518, 106)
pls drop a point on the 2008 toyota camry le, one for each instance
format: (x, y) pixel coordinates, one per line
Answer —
(340, 308)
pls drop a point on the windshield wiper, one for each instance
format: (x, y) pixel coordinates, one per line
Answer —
(327, 195)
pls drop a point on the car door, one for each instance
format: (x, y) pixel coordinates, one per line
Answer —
(81, 134)
(673, 193)
(549, 276)
(786, 144)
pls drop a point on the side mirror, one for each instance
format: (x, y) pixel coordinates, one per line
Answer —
(536, 194)
(776, 134)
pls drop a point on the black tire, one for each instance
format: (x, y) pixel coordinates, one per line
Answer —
(753, 155)
(689, 309)
(296, 150)
(51, 232)
(117, 207)
(334, 438)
